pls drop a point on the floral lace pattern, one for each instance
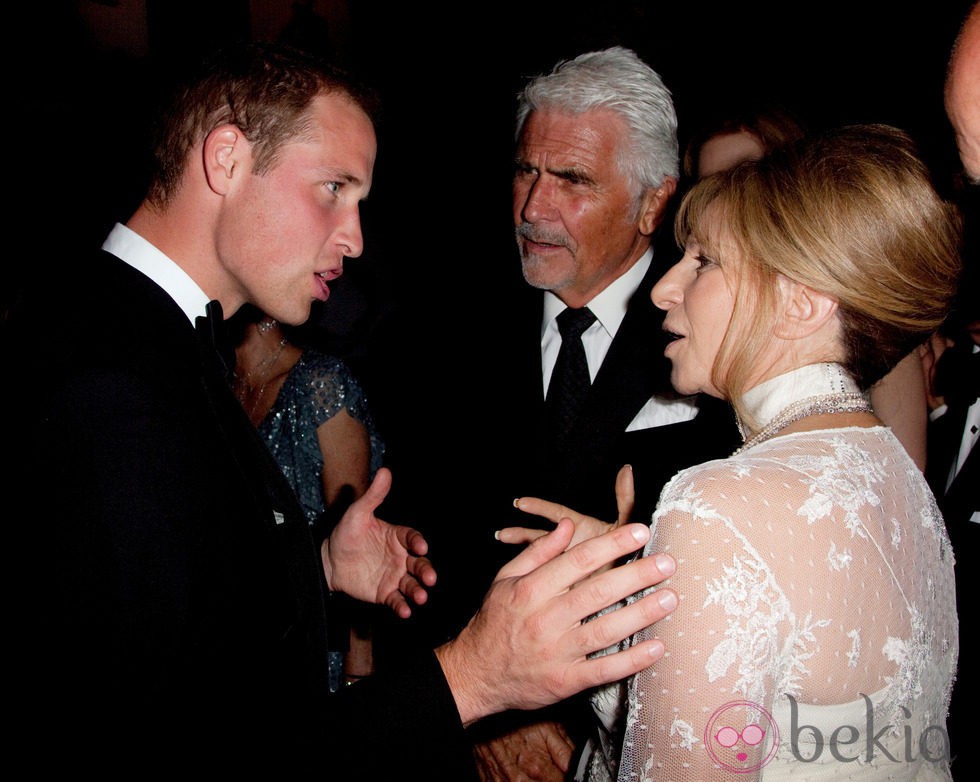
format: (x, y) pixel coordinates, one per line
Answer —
(816, 632)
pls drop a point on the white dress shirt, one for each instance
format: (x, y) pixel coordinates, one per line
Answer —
(609, 307)
(130, 247)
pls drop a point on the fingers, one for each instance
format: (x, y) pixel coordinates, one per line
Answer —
(560, 747)
(625, 494)
(518, 534)
(417, 546)
(551, 511)
(376, 492)
(541, 551)
(408, 590)
(397, 603)
(423, 571)
(413, 590)
(413, 541)
(619, 665)
(396, 599)
(590, 555)
(600, 592)
(536, 752)
(419, 575)
(609, 628)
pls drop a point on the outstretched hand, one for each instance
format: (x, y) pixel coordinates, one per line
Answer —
(585, 526)
(374, 561)
(528, 646)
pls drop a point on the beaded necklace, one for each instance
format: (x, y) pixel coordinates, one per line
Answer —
(816, 389)
(244, 381)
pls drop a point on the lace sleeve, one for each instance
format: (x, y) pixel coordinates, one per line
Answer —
(721, 643)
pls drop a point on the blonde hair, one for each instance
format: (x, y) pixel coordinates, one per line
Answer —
(851, 213)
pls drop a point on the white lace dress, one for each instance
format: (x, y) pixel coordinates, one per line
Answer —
(816, 633)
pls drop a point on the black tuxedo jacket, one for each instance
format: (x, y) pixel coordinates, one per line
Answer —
(170, 605)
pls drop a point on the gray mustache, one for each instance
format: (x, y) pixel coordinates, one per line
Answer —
(543, 236)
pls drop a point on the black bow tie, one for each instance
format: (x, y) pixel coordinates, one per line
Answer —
(214, 334)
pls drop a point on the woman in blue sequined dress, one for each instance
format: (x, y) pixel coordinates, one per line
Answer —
(314, 416)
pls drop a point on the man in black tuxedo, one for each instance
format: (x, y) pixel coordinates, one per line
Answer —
(171, 602)
(596, 168)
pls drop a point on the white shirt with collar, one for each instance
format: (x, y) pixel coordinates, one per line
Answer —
(130, 247)
(609, 307)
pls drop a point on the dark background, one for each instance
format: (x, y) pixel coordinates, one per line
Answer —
(437, 224)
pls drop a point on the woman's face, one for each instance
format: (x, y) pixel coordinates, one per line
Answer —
(698, 295)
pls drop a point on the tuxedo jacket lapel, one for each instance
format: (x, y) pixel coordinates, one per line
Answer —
(273, 498)
(962, 498)
(629, 374)
(945, 436)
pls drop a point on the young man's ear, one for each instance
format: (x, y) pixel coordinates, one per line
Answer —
(224, 148)
(802, 310)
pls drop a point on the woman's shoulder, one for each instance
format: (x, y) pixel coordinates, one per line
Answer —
(317, 370)
(731, 482)
(788, 470)
(705, 479)
(330, 385)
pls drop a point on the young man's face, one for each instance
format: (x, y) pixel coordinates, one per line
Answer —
(283, 236)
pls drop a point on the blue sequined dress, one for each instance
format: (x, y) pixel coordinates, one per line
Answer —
(317, 388)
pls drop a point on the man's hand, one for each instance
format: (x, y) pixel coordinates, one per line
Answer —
(585, 526)
(374, 561)
(540, 752)
(528, 646)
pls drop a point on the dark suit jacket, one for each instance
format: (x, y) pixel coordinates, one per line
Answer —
(170, 602)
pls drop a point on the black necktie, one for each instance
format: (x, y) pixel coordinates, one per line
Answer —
(214, 334)
(570, 378)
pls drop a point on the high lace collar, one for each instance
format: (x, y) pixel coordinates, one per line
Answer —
(766, 401)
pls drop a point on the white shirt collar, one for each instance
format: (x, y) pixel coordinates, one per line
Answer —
(609, 306)
(130, 247)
